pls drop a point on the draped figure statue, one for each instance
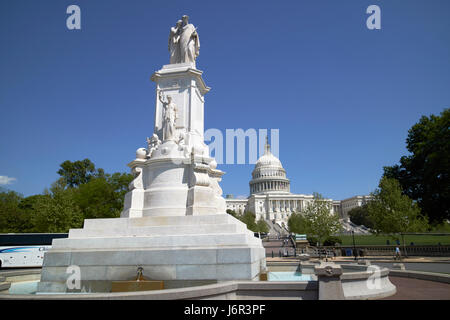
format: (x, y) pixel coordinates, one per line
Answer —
(184, 43)
(170, 115)
(174, 47)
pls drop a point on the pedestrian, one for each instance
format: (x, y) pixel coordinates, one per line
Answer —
(397, 253)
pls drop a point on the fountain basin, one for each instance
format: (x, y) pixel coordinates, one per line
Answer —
(284, 282)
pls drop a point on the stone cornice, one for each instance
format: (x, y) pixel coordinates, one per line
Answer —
(172, 71)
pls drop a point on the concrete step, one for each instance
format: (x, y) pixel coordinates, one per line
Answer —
(159, 221)
(158, 230)
(5, 286)
(207, 240)
(153, 256)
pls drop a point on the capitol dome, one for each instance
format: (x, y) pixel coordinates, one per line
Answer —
(268, 160)
(269, 175)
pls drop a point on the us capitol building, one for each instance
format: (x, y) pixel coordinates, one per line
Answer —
(270, 197)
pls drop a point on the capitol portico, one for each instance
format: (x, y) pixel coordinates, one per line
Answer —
(270, 197)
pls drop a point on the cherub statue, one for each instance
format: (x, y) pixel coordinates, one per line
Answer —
(152, 144)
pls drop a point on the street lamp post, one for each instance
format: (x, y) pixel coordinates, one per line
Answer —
(404, 247)
(354, 249)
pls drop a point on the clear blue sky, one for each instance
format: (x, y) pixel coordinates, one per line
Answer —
(342, 96)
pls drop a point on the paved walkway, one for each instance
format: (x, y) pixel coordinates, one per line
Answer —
(407, 288)
(391, 259)
(372, 259)
(415, 289)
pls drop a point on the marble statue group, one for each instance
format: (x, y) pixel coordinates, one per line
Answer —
(184, 43)
(175, 191)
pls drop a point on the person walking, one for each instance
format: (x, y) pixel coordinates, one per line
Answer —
(397, 253)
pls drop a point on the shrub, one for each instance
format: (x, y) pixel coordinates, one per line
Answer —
(312, 240)
(331, 241)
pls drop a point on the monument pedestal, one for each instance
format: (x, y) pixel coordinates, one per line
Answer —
(176, 176)
(177, 249)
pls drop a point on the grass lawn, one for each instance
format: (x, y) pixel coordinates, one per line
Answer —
(428, 239)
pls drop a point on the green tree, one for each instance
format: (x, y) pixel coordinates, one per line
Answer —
(393, 212)
(232, 212)
(297, 223)
(261, 226)
(424, 175)
(81, 192)
(119, 183)
(319, 221)
(360, 216)
(79, 172)
(249, 219)
(28, 208)
(96, 194)
(332, 241)
(11, 218)
(103, 197)
(443, 227)
(57, 212)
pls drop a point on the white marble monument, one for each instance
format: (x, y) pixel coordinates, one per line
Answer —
(174, 223)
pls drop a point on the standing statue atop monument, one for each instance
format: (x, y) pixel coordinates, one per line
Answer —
(169, 117)
(174, 47)
(184, 43)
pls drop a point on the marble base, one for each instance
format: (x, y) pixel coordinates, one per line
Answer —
(169, 248)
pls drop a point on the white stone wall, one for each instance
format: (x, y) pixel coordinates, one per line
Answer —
(237, 205)
(354, 202)
(280, 207)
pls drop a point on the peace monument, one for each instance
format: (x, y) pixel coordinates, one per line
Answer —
(174, 224)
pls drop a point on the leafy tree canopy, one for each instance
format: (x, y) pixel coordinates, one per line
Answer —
(249, 218)
(57, 212)
(103, 197)
(424, 175)
(360, 216)
(392, 212)
(79, 172)
(80, 193)
(261, 226)
(319, 221)
(10, 215)
(297, 223)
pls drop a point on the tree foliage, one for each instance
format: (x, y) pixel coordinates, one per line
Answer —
(392, 212)
(102, 197)
(318, 219)
(261, 226)
(232, 212)
(424, 175)
(82, 192)
(57, 212)
(11, 218)
(360, 216)
(249, 218)
(79, 172)
(332, 241)
(297, 223)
